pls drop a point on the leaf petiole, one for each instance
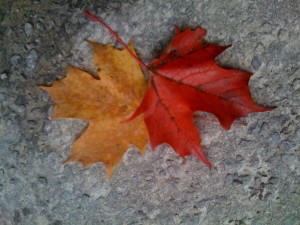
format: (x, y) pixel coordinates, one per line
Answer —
(93, 17)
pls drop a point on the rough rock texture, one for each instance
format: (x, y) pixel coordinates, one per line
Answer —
(255, 178)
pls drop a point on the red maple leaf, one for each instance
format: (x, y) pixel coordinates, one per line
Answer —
(186, 79)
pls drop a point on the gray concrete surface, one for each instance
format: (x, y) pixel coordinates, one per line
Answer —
(255, 178)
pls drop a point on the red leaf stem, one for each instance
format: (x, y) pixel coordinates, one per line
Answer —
(93, 17)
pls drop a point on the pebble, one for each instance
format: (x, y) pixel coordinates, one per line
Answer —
(3, 76)
(41, 27)
(256, 63)
(51, 24)
(35, 1)
(15, 60)
(28, 29)
(283, 35)
(2, 97)
(296, 84)
(31, 60)
(259, 47)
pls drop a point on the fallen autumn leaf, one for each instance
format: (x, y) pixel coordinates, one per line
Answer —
(183, 80)
(104, 103)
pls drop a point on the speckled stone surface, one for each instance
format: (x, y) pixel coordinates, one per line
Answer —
(255, 178)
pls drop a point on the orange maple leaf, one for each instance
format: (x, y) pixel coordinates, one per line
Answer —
(105, 103)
